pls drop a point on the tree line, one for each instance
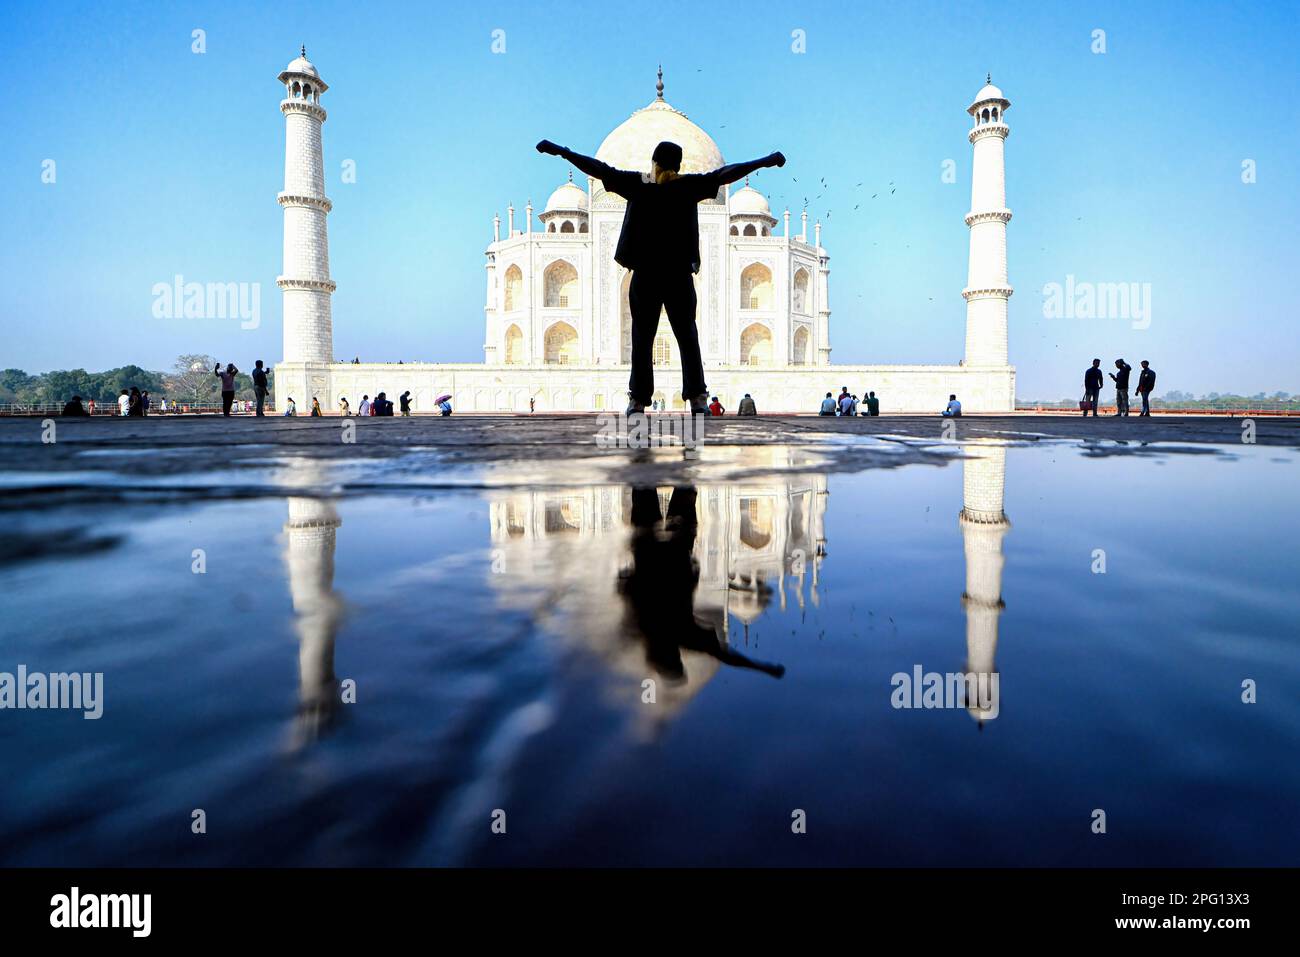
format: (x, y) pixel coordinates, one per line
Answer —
(190, 380)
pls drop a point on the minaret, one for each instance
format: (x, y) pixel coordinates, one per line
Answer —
(983, 526)
(308, 324)
(823, 302)
(987, 289)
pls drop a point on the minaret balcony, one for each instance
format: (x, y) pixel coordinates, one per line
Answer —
(302, 106)
(989, 216)
(987, 292)
(298, 199)
(315, 285)
(989, 129)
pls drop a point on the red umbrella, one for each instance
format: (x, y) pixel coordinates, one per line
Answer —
(441, 399)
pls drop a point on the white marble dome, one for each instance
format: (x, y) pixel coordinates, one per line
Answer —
(302, 65)
(748, 201)
(568, 197)
(630, 144)
(988, 92)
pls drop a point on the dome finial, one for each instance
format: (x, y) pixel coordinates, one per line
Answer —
(303, 48)
(746, 181)
(988, 77)
(570, 176)
(659, 87)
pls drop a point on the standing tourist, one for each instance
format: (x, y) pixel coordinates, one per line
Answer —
(1146, 385)
(405, 400)
(259, 385)
(1121, 387)
(1092, 383)
(291, 408)
(227, 386)
(660, 244)
(344, 409)
(364, 407)
(315, 408)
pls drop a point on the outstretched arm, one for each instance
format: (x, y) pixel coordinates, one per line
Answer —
(611, 177)
(735, 171)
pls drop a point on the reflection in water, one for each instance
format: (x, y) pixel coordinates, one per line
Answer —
(722, 551)
(659, 588)
(983, 526)
(688, 561)
(309, 559)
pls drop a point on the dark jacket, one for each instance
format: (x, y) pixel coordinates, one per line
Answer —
(1093, 380)
(259, 379)
(1121, 377)
(1147, 380)
(661, 226)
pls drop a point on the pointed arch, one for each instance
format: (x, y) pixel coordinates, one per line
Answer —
(756, 345)
(561, 344)
(756, 287)
(801, 343)
(560, 284)
(514, 288)
(514, 350)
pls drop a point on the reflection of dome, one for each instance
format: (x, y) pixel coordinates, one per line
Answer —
(632, 142)
(748, 201)
(568, 197)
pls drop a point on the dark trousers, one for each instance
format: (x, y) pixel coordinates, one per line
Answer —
(1146, 402)
(261, 400)
(673, 291)
(227, 398)
(1091, 397)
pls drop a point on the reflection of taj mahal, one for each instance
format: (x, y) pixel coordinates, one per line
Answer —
(557, 322)
(556, 552)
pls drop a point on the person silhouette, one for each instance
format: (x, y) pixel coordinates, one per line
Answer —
(659, 589)
(660, 244)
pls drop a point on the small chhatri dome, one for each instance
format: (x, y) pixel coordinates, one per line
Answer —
(301, 66)
(988, 93)
(569, 198)
(748, 201)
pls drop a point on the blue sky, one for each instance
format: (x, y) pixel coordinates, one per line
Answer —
(1121, 167)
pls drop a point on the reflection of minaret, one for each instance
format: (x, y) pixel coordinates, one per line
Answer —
(309, 556)
(983, 525)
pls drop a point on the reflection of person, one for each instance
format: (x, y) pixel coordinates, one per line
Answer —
(660, 244)
(660, 587)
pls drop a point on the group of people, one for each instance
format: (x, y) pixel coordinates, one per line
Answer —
(380, 405)
(1093, 382)
(847, 404)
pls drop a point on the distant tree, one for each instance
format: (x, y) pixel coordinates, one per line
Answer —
(191, 379)
(16, 386)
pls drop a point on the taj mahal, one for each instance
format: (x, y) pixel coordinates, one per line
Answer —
(557, 326)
